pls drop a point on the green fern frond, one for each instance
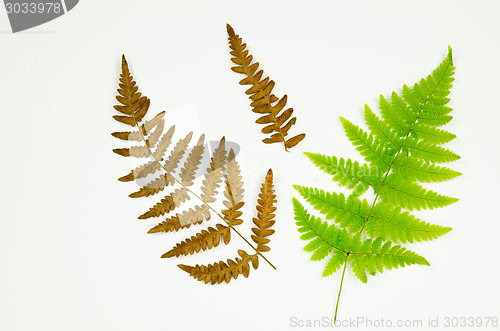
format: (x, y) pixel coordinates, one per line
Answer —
(401, 148)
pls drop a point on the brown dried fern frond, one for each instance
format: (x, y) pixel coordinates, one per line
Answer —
(166, 174)
(278, 121)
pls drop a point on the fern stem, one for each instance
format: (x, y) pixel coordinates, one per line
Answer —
(340, 290)
(197, 196)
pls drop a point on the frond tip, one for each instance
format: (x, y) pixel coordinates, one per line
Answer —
(277, 119)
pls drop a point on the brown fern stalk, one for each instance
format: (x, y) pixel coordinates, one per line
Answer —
(134, 106)
(278, 121)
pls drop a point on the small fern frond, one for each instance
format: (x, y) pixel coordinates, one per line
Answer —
(265, 217)
(223, 272)
(278, 121)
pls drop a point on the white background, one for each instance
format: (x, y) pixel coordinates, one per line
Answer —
(73, 254)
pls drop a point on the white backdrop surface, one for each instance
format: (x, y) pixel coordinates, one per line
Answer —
(73, 254)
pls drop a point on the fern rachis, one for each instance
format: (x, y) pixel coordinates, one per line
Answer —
(223, 169)
(402, 149)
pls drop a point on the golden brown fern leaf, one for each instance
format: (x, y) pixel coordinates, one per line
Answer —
(221, 271)
(155, 186)
(233, 192)
(173, 224)
(206, 239)
(278, 121)
(265, 217)
(167, 204)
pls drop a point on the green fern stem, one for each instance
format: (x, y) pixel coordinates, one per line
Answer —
(340, 290)
(400, 149)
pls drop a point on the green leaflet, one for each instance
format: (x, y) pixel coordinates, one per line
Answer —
(350, 212)
(414, 169)
(355, 176)
(364, 256)
(402, 148)
(399, 192)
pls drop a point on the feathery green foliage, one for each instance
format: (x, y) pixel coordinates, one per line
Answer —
(402, 149)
